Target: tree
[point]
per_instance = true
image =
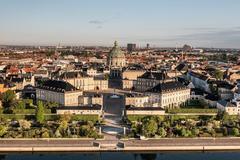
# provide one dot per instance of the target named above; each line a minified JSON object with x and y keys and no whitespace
{"x":64,"y":119}
{"x":225,"y":131}
{"x":50,"y":53}
{"x":20,"y":105}
{"x":235,"y":132}
{"x":3,"y":130}
{"x":8,"y":99}
{"x":40,"y":112}
{"x":161,"y":132}
{"x":63,"y":125}
{"x":183,"y":132}
{"x":57,"y":134}
{"x":45,"y":134}
{"x":195,"y":131}
{"x":223,"y":57}
{"x":149,"y":128}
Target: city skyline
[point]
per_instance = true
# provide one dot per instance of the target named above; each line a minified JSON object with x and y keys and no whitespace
{"x":160,"y":23}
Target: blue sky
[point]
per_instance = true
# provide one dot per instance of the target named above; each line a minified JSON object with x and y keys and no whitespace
{"x":164,"y":23}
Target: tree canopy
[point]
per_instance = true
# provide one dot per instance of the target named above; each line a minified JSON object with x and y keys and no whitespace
{"x":8,"y":99}
{"x":40,"y":112}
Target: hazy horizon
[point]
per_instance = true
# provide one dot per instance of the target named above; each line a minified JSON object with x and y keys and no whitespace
{"x":165,"y":23}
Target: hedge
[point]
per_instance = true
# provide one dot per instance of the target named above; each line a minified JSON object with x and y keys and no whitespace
{"x":12,"y":116}
{"x":93,"y":118}
{"x":195,"y":117}
{"x":192,"y":110}
{"x":29,"y":111}
{"x":173,"y":117}
{"x":139,"y":117}
{"x":24,"y":111}
{"x":55,"y":117}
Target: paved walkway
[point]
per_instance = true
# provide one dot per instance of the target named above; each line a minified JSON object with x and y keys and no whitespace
{"x":124,"y":145}
{"x":113,"y":108}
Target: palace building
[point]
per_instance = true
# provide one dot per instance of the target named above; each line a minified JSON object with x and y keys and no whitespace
{"x":169,"y":94}
{"x":60,"y":92}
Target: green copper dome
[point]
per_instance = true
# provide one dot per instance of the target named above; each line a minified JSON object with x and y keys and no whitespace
{"x":116,"y":52}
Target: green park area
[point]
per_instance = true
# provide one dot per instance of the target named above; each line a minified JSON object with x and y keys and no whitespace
{"x":174,"y":126}
{"x":24,"y":119}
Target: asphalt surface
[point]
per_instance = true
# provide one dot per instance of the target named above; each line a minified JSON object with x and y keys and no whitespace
{"x":113,"y":105}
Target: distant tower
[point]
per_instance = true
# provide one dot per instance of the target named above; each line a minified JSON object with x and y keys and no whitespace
{"x":131,"y":47}
{"x":148,"y":46}
{"x":176,"y":48}
{"x":58,"y":46}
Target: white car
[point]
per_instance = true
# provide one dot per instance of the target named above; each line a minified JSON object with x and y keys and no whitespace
{"x":114,"y":96}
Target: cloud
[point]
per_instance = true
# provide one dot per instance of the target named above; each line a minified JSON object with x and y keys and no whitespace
{"x":205,"y":37}
{"x":96,"y":22}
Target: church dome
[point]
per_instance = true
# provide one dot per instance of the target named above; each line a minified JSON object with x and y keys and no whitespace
{"x":116,"y":52}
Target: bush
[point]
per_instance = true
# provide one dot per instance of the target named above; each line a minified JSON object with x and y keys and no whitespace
{"x":235,"y":132}
{"x":45,"y":134}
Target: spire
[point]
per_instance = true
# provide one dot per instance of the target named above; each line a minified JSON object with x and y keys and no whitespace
{"x":115,"y":44}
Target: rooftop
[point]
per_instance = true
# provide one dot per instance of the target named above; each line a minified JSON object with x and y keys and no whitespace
{"x":168,"y":86}
{"x":56,"y":86}
{"x":154,"y":75}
